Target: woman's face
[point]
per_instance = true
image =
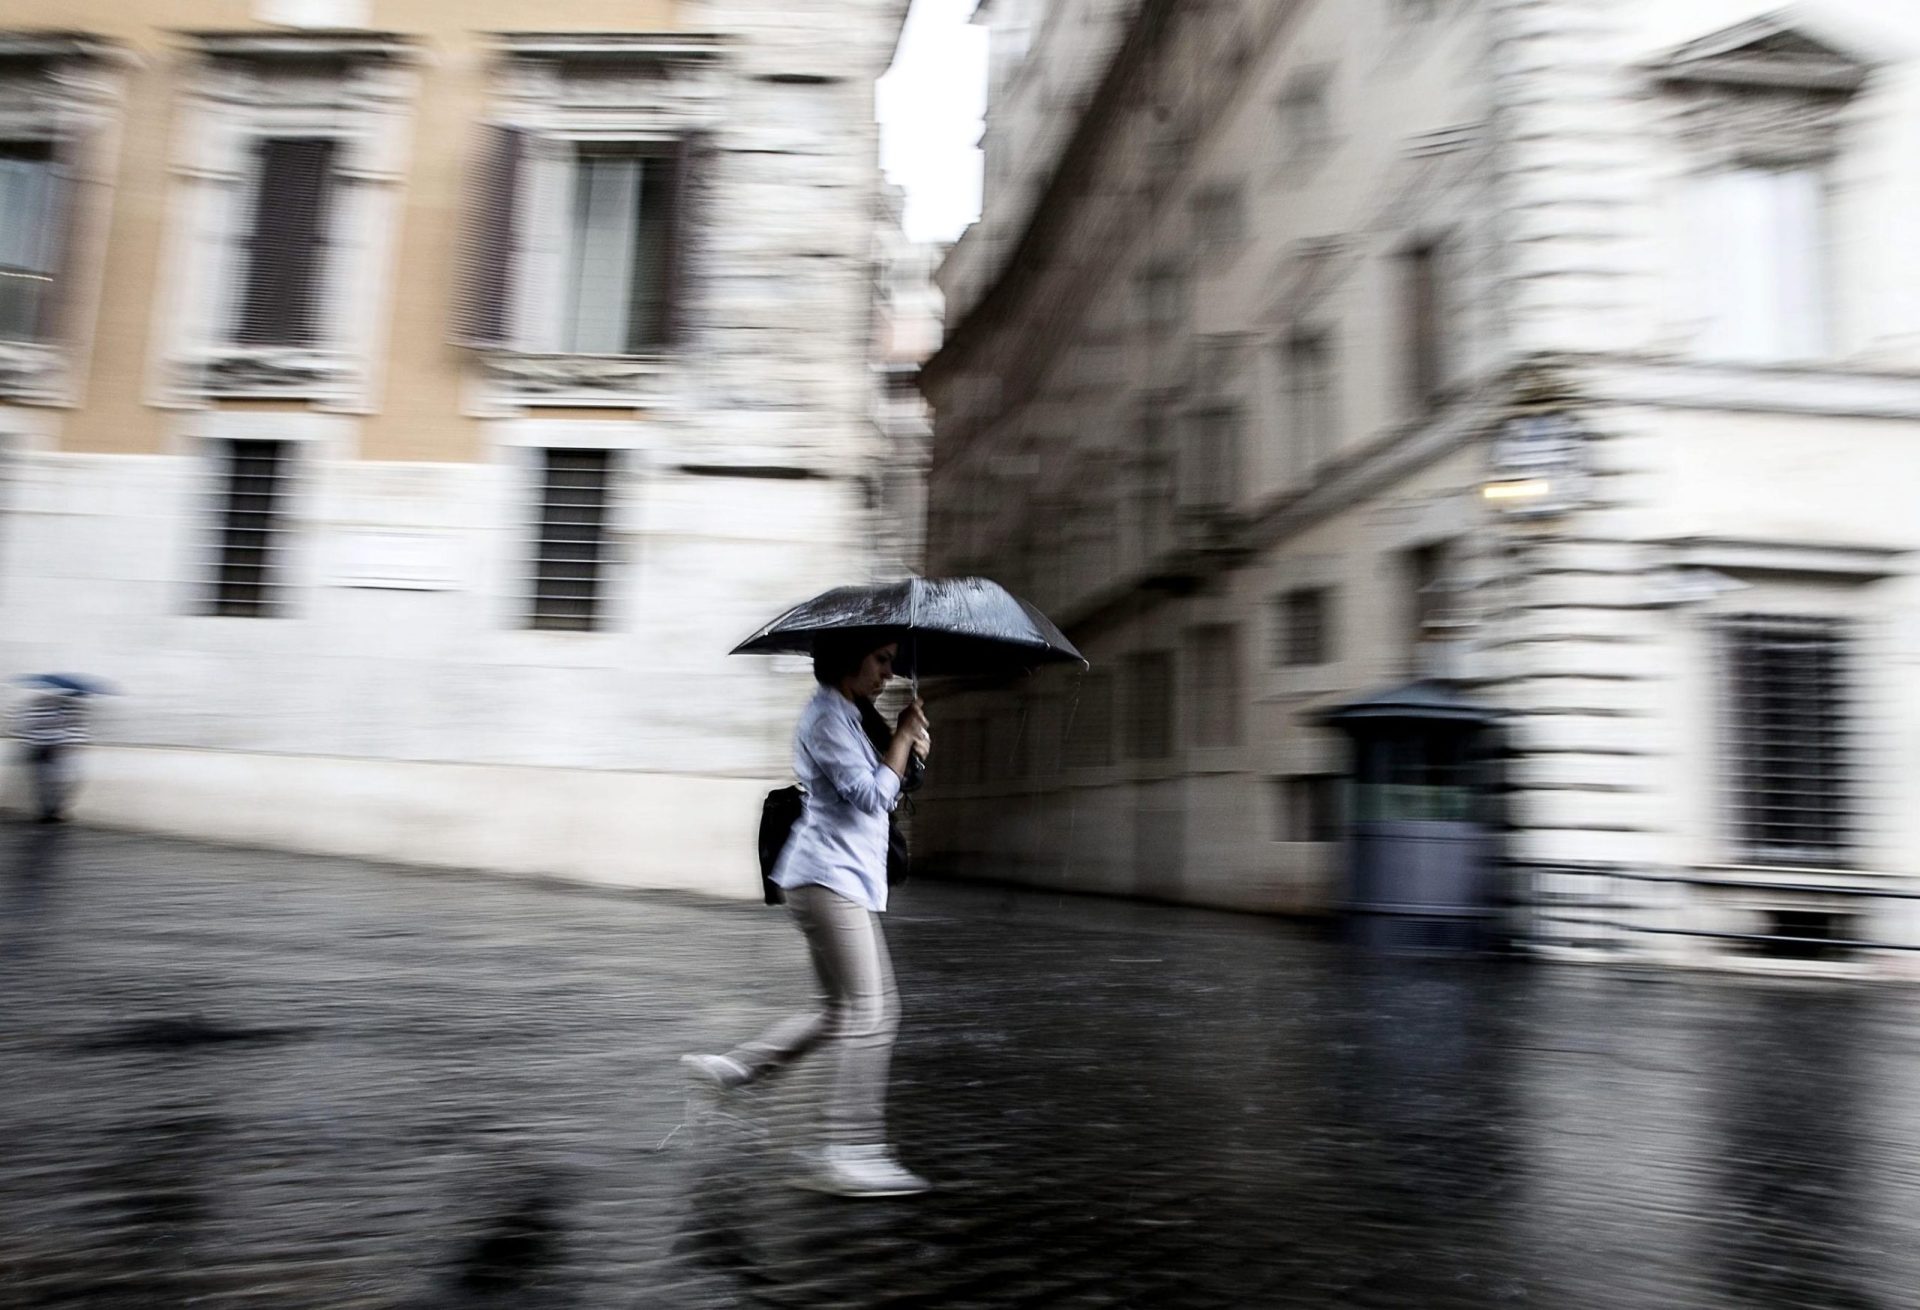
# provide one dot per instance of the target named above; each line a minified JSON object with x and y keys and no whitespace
{"x":874,"y":671}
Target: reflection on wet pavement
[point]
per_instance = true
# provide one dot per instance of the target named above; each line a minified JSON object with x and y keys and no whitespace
{"x":229,"y":1077}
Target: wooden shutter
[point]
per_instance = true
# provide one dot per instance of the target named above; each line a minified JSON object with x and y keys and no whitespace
{"x":484,"y":316}
{"x":282,"y":303}
{"x":686,"y":167}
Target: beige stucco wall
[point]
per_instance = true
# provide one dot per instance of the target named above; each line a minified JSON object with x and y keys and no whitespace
{"x":417,"y":412}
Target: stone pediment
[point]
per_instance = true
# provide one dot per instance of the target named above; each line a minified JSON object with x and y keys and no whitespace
{"x":1770,"y":51}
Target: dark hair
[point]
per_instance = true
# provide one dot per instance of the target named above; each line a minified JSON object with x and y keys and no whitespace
{"x":839,"y":655}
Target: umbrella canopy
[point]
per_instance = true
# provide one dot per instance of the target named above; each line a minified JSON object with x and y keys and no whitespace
{"x":66,"y":682}
{"x":943,"y":625}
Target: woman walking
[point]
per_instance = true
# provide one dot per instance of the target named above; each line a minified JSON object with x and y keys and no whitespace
{"x":834,"y":873}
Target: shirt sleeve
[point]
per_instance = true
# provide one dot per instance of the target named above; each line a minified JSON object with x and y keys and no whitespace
{"x":841,"y":752}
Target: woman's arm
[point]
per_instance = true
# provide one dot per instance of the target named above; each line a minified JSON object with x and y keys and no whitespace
{"x":841,"y":751}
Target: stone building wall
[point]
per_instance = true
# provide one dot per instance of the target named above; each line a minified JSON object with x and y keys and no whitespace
{"x":398,"y":704}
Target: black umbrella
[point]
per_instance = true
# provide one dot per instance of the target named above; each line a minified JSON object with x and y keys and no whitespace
{"x":943,"y":625}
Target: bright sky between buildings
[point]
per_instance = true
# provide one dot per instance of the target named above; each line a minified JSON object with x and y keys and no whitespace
{"x":930,"y":105}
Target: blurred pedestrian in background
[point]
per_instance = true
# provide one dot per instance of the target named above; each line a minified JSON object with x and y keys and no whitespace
{"x":834,"y":871}
{"x":51,"y":726}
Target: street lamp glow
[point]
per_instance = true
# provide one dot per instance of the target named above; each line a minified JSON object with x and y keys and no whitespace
{"x":1522,"y":489}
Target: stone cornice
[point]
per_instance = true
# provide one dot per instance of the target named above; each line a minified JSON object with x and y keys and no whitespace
{"x":641,"y":47}
{"x":266,"y":46}
{"x":1763,"y":53}
{"x":41,"y":47}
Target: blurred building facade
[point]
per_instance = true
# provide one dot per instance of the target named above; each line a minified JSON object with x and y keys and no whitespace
{"x":408,"y":405}
{"x":1565,"y":350}
{"x":908,"y":311}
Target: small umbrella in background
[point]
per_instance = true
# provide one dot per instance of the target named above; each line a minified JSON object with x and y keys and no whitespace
{"x":943,"y":625}
{"x":70,"y":682}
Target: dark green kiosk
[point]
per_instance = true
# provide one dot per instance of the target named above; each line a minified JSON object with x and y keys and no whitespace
{"x":1423,"y":866}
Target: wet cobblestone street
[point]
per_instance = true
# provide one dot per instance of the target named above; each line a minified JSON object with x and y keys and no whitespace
{"x":237,"y":1078}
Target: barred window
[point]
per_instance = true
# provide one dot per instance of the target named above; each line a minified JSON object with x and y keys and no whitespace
{"x":570,"y":544}
{"x":246,"y":580}
{"x":1789,"y":765}
{"x":1212,"y":467}
{"x":1307,"y":808}
{"x":1219,"y":216}
{"x":1303,"y":627}
{"x":1305,"y":111}
{"x":1312,"y":398}
{"x":1150,"y":705}
{"x":282,"y":300}
{"x":1213,"y":656}
{"x":1090,"y":725}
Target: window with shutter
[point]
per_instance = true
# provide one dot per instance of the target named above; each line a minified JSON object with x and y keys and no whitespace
{"x":570,"y":542}
{"x":282,"y":299}
{"x":251,"y":524}
{"x":30,"y":223}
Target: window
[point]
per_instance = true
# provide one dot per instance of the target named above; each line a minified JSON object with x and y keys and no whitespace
{"x":1788,"y":771}
{"x":1089,"y":742}
{"x":623,"y":203}
{"x":609,"y":281}
{"x":571,"y":543}
{"x":282,"y":300}
{"x":1424,"y":311}
{"x":1212,"y":473}
{"x":1162,"y":296}
{"x":252,"y":509}
{"x":1307,"y":808}
{"x":1306,"y":115}
{"x":1312,"y":398}
{"x":1150,"y":705}
{"x":1429,"y":592}
{"x":1220,"y":216}
{"x":29,"y":239}
{"x":1303,"y":632}
{"x":1213,"y":655}
{"x":1759,"y":252}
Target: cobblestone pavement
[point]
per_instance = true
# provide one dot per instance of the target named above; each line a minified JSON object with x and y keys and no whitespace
{"x":235,"y":1078}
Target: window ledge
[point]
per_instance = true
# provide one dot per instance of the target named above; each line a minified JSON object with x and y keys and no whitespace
{"x":33,"y":371}
{"x":282,"y":371}
{"x":1859,"y":562}
{"x":563,"y":378}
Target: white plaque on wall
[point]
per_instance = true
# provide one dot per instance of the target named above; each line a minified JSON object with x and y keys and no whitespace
{"x":400,"y":561}
{"x":314,"y":13}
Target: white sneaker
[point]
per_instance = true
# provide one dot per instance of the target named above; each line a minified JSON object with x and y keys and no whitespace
{"x":861,"y":1171}
{"x":716,"y":1073}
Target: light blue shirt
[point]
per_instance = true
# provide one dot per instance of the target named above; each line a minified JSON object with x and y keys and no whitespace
{"x":840,"y":842}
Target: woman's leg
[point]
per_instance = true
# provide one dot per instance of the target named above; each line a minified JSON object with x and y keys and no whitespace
{"x":863,"y":1013}
{"x":797,"y":1034}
